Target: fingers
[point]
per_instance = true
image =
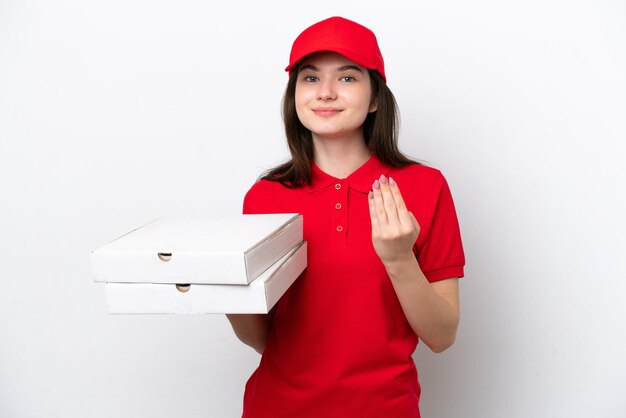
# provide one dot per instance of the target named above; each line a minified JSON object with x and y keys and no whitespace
{"x":397,"y":196}
{"x":373,"y":215}
{"x":387,"y":205}
{"x":416,"y":224}
{"x":389,"y":201}
{"x":384,"y":202}
{"x":405,"y":217}
{"x":379,"y":208}
{"x":394,"y":228}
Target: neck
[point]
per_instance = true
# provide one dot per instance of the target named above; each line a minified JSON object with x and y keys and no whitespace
{"x":340,"y":157}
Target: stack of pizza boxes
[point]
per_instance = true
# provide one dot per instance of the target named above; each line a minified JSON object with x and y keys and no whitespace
{"x":199,"y":265}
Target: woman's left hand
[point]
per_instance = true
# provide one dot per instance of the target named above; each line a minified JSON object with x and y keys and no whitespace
{"x":394,"y":228}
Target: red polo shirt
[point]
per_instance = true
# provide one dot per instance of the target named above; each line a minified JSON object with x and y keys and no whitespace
{"x":340,"y":345}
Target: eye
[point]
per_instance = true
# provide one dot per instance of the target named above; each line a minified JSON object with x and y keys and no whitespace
{"x":309,"y":78}
{"x":347,"y":79}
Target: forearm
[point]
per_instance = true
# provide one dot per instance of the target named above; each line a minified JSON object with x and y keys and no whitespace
{"x":432,"y":318}
{"x":251,"y":329}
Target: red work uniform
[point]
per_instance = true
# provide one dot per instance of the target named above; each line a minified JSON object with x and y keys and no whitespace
{"x":340,"y":345}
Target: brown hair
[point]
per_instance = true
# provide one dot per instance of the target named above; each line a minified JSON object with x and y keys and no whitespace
{"x":380,"y":131}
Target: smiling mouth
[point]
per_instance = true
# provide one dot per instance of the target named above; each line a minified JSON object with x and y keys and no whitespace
{"x":326,"y":112}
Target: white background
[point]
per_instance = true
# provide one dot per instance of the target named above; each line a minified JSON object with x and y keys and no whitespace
{"x":114,"y":113}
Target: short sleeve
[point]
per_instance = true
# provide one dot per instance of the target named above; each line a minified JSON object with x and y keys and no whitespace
{"x":441,"y":255}
{"x":266,"y":196}
{"x":252,"y":201}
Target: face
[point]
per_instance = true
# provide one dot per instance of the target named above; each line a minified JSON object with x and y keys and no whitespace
{"x":333,"y":96}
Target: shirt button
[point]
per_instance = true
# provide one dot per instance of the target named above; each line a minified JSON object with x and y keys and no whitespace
{"x":338,"y":206}
{"x":337,"y":186}
{"x":339,"y":228}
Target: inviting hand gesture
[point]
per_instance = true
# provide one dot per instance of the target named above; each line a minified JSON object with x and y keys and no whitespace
{"x":394,"y":228}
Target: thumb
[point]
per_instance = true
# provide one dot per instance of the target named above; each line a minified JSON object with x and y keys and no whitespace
{"x":415,"y":223}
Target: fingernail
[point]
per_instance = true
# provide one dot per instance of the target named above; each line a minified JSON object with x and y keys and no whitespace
{"x":383,"y":179}
{"x":370,"y":194}
{"x":391,"y":182}
{"x":376,"y":184}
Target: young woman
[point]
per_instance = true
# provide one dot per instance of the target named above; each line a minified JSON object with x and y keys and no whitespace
{"x":384,"y":245}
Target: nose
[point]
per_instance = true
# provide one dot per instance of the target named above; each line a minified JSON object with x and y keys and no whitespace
{"x":326,"y":90}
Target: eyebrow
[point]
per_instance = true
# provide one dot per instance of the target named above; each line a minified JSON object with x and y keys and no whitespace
{"x":340,"y":69}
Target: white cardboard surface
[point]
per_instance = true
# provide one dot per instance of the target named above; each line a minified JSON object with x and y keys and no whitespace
{"x":257,"y":297}
{"x":229,"y":250}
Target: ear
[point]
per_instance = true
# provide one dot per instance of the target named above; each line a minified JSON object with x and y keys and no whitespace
{"x":373,"y":106}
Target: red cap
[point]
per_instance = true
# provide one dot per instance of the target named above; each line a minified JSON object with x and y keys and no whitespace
{"x":343,"y":36}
